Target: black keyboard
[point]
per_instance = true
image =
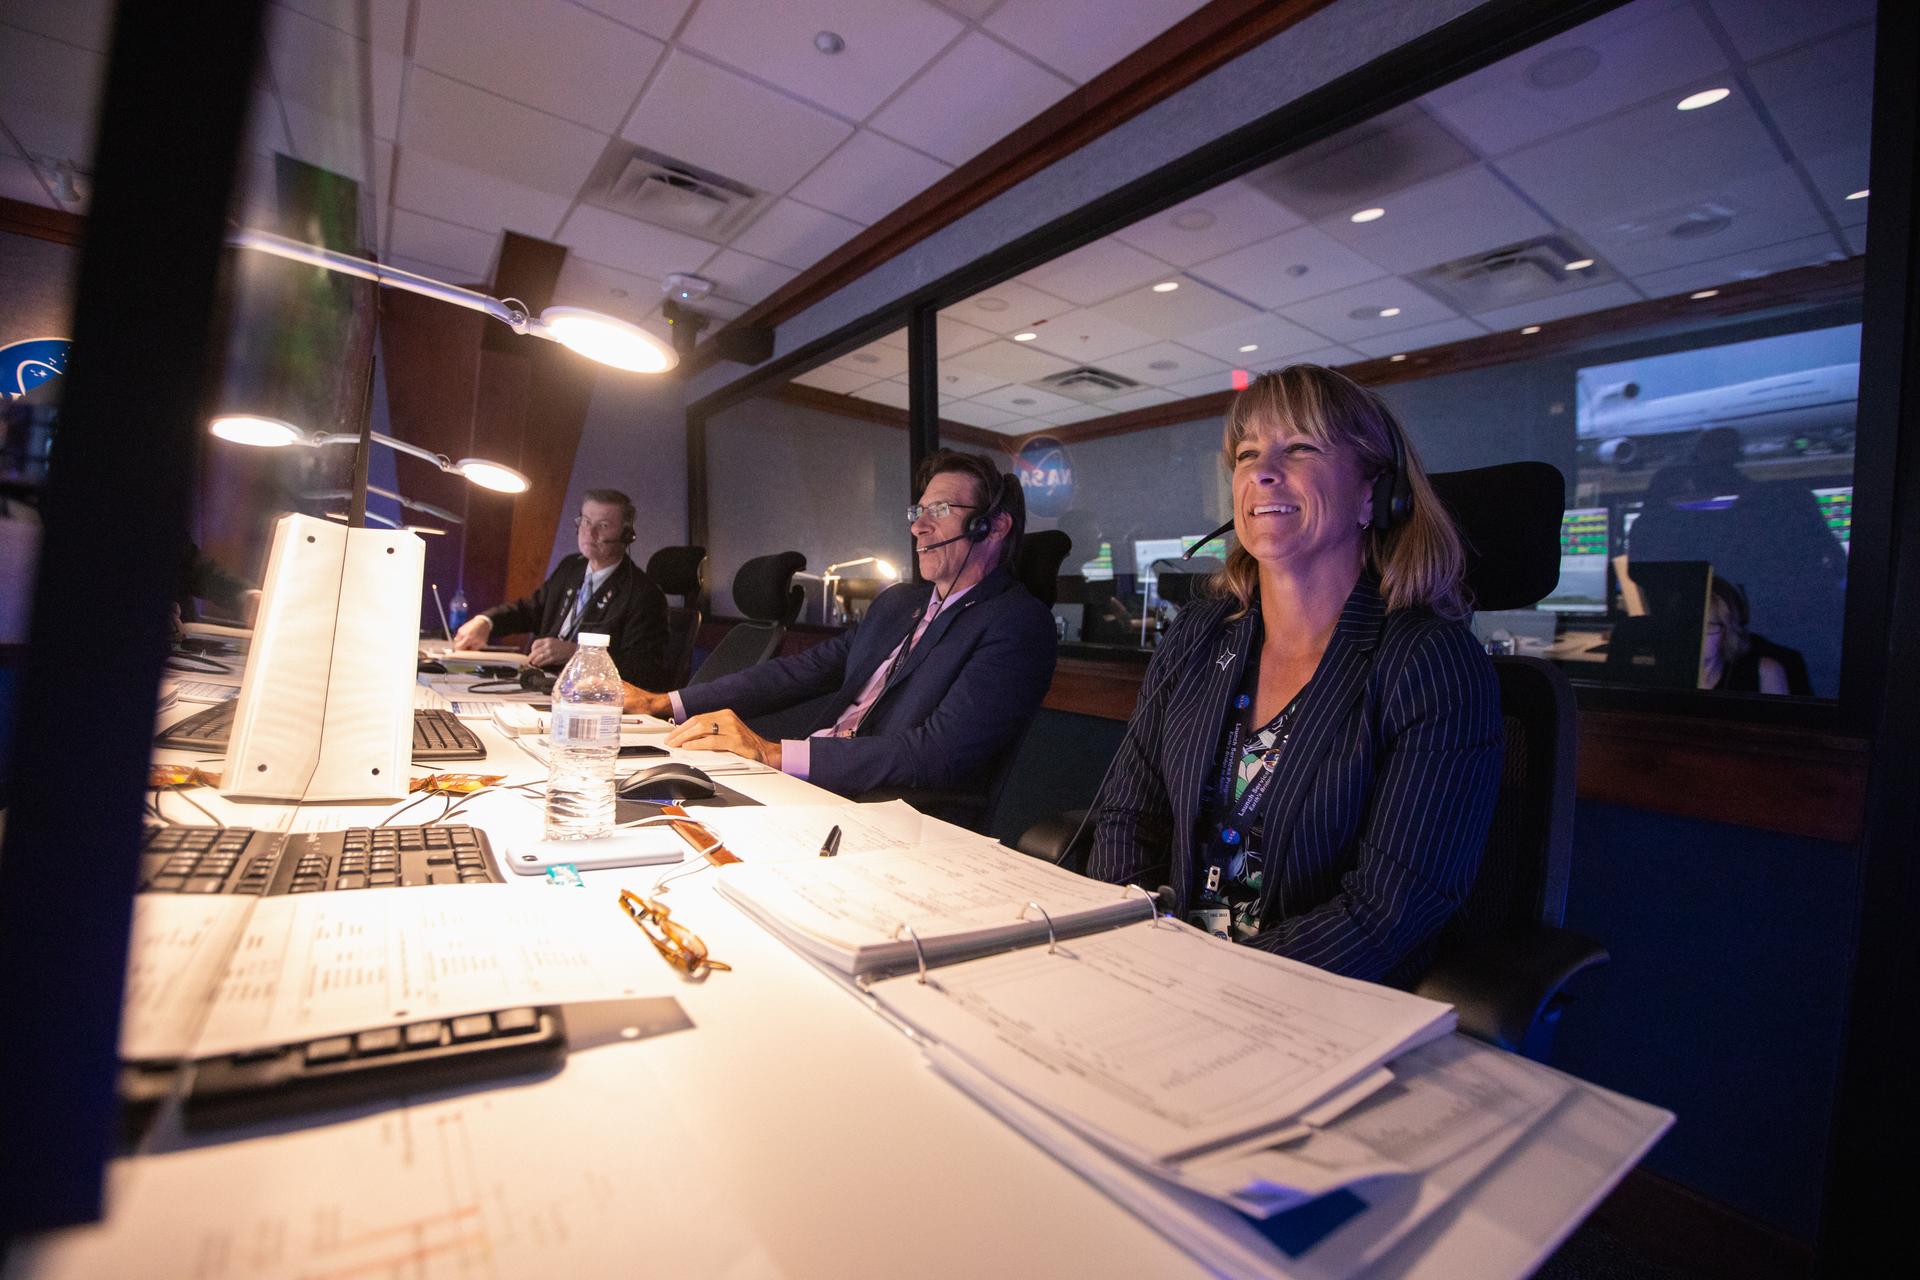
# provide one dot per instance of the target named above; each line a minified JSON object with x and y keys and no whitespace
{"x":437,"y":735}
{"x":245,"y":860}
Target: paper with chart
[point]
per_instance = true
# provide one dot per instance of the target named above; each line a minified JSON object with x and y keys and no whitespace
{"x":793,"y":832}
{"x":860,"y":914}
{"x":534,"y":1181}
{"x":178,"y":950}
{"x":322,"y":964}
{"x":1161,"y":1042}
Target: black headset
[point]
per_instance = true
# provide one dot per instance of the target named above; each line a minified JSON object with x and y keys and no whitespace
{"x":980,"y":526}
{"x":1392,"y":490}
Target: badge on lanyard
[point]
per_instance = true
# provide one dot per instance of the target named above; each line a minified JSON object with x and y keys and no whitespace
{"x":1217,"y":921}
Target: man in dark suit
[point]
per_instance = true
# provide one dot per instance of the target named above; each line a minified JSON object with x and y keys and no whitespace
{"x":931,"y":687}
{"x":596,"y":590}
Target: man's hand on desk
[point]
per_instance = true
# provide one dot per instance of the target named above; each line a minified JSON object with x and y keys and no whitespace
{"x":638,"y":702}
{"x":473,"y":633}
{"x":724,"y":731}
{"x":551,"y":651}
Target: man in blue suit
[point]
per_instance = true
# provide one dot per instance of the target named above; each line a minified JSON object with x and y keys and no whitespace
{"x":939,"y":679}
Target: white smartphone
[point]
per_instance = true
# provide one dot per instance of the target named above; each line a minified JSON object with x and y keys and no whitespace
{"x":639,"y":847}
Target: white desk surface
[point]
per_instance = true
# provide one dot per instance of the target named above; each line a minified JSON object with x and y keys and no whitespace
{"x":806,"y":1121}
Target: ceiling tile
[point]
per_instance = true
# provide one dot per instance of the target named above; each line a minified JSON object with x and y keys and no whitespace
{"x":1636,"y":52}
{"x":387,"y":18}
{"x":482,"y":131}
{"x":1331,"y":357}
{"x":876,"y":358}
{"x":1750,"y":264}
{"x":951,"y":337}
{"x":267,"y":125}
{"x":1426,"y":335}
{"x":655,"y":17}
{"x":794,"y":234}
{"x":1206,"y":385}
{"x":1274,"y":338}
{"x":19,"y":182}
{"x":1193,"y":307}
{"x":1143,"y":399}
{"x":869,"y":177}
{"x":886,"y":42}
{"x":1095,"y":272}
{"x":972,"y":10}
{"x":1350,"y":170}
{"x":1299,"y":264}
{"x":1012,"y":362}
{"x":548,"y":54}
{"x":1084,"y":336}
{"x":831,"y":377}
{"x":1837,"y":175}
{"x":1761,"y":27}
{"x":432,"y":270}
{"x":456,"y":193}
{"x":1599,"y":298}
{"x":961,"y":382}
{"x":1334,"y":314}
{"x":978,"y":415}
{"x":599,"y":288}
{"x":945,"y":111}
{"x":84,"y":23}
{"x":887,"y":393}
{"x":317,"y":66}
{"x":1162,"y":364}
{"x":1466,"y":212}
{"x":328,"y":142}
{"x":1083,"y":40}
{"x":1007,"y":307}
{"x":1219,"y":221}
{"x":743,"y":277}
{"x":1076,"y":413}
{"x":632,"y":245}
{"x":1022,"y":399}
{"x":48,"y":95}
{"x":382,"y":193}
{"x":714,"y":118}
{"x":1821,"y":98}
{"x":418,"y":236}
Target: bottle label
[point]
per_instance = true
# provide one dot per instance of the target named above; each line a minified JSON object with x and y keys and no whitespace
{"x":585,"y":726}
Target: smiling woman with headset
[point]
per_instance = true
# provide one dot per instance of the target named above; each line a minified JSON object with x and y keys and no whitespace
{"x":1313,"y":761}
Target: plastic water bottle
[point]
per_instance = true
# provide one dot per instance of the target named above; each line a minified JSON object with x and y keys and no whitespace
{"x":457,"y":609}
{"x":585,"y":740}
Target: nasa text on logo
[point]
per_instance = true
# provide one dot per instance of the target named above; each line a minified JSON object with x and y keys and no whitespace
{"x":1046,"y":474}
{"x":25,"y":365}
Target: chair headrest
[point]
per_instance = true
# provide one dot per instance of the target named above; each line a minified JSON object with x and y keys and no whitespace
{"x":1509,"y":518}
{"x":1037,"y":564}
{"x":763,"y":589}
{"x":680,"y":571}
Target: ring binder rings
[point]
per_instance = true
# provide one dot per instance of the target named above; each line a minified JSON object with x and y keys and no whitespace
{"x":919,"y":952}
{"x":1153,"y":904}
{"x":1052,"y":941}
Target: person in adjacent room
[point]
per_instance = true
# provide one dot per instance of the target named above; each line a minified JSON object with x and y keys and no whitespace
{"x":1733,"y":658}
{"x":599,"y":589}
{"x":938,"y":680}
{"x":1313,"y":762}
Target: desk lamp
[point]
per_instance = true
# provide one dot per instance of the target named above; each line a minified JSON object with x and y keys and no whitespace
{"x":832,"y":575}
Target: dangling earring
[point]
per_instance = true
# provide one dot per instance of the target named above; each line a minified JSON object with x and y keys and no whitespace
{"x":1367,"y":523}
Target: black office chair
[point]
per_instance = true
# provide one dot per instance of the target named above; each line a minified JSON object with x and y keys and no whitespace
{"x":764,"y":591}
{"x":1037,"y":567}
{"x":680,"y":571}
{"x":1503,"y":961}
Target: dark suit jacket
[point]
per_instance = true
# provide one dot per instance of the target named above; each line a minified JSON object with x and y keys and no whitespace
{"x":629,"y":607}
{"x":963,"y":694}
{"x":1375,"y":822}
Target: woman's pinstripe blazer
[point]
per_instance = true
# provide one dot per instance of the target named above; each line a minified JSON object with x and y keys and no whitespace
{"x":1375,"y":822}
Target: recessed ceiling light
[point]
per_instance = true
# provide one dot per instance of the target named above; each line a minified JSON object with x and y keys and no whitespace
{"x":1388,"y":313}
{"x":829,"y":42}
{"x":1704,"y":98}
{"x":1861,"y":194}
{"x":1193,"y":220}
{"x":1025,"y":337}
{"x":1704,"y":293}
{"x":1166,"y":286}
{"x":1401,"y":356}
{"x":1368,"y":215}
{"x":1532,"y":328}
{"x":1579,"y":264}
{"x":1251,"y":346}
{"x":990,"y":304}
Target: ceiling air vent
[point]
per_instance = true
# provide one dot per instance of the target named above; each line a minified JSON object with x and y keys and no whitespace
{"x":638,"y":183}
{"x":1524,"y":272}
{"x":1087,"y":383}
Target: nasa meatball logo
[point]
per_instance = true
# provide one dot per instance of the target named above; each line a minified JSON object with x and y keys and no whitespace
{"x":1046,"y":476}
{"x":25,"y":365}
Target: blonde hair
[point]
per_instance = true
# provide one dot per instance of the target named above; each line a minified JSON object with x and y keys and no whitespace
{"x":1420,"y":561}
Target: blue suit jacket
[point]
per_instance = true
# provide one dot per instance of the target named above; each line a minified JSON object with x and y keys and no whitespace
{"x":963,"y":694}
{"x":1376,"y":819}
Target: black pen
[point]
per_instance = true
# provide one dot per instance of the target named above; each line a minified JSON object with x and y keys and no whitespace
{"x":831,"y":845}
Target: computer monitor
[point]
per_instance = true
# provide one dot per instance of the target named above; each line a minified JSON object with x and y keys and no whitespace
{"x":1583,"y":563}
{"x":1155,"y":556}
{"x":1836,"y":508}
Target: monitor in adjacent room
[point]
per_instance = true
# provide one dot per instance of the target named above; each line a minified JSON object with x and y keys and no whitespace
{"x":1836,"y":508}
{"x":1583,"y":563}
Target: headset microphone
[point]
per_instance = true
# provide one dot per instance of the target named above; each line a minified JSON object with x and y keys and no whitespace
{"x":1225,"y":528}
{"x":958,"y":537}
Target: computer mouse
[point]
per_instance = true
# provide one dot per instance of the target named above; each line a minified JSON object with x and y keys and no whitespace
{"x":428,"y":667}
{"x":667,"y":784}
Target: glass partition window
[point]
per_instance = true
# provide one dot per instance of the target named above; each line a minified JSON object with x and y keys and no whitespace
{"x":1632,"y":251}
